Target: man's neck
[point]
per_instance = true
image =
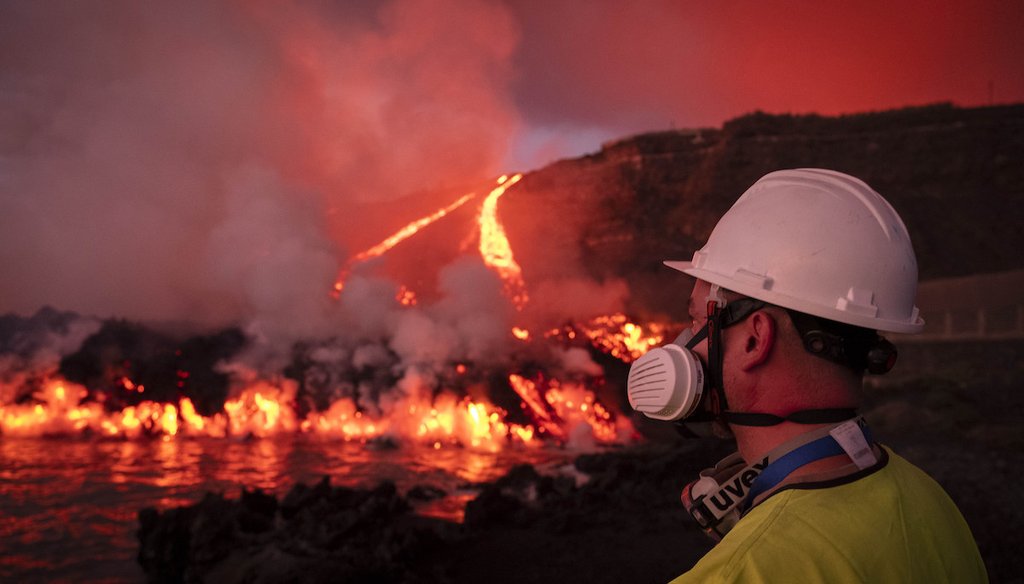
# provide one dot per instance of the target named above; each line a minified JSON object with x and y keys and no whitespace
{"x":791,"y":381}
{"x":755,"y":442}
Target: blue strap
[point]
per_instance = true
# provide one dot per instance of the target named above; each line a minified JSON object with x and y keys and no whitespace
{"x":778,"y":470}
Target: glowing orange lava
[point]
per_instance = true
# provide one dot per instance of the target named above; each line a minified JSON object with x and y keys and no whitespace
{"x":495,"y":248}
{"x":616,"y":335}
{"x":562,"y":410}
{"x":265,"y":409}
{"x":398,"y":237}
{"x":406,"y":297}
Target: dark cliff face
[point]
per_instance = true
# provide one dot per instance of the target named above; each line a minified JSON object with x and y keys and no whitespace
{"x":955,"y":175}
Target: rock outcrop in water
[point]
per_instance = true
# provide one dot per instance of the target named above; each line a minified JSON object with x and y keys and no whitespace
{"x":625,"y":524}
{"x":525,"y":525}
{"x":313,"y":534}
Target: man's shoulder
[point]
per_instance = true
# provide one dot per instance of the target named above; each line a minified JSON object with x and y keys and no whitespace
{"x":837,"y":532}
{"x":756,"y":547}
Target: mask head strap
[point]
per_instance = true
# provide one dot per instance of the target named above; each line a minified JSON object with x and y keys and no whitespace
{"x":714,"y":331}
{"x":722,"y":315}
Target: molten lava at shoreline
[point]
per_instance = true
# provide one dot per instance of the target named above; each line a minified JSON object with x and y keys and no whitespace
{"x":553,"y":410}
{"x":404,"y":404}
{"x":267,"y":409}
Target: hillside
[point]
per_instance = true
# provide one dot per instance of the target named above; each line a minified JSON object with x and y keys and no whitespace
{"x":955,"y":175}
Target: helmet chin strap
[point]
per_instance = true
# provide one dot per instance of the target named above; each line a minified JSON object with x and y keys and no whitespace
{"x":722,"y":315}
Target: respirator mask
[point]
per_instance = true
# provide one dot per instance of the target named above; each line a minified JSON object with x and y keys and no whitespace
{"x":668,"y":383}
{"x":671,"y":383}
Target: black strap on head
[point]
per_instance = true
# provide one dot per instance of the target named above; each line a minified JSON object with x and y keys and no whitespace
{"x":715,"y":355}
{"x":856,"y":348}
{"x":719,"y":318}
{"x":737,"y":310}
{"x":822,"y":416}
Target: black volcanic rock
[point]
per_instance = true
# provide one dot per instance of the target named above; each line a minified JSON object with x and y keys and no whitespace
{"x":168,"y":367}
{"x":315,"y":534}
{"x":955,"y":175}
{"x":322,"y":533}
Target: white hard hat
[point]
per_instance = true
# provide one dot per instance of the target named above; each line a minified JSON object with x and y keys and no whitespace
{"x":819,"y":242}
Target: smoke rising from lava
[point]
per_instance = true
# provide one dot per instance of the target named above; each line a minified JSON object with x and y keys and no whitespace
{"x":210,"y":162}
{"x":127,"y":128}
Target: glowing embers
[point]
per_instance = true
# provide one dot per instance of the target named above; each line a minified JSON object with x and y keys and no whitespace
{"x":130,"y":385}
{"x":619,"y":337}
{"x":406,"y":297}
{"x":568,"y":411}
{"x":59,"y":410}
{"x":495,"y":248}
{"x":476,"y":424}
{"x":261,"y":410}
{"x":615,"y":335}
{"x":445,"y":420}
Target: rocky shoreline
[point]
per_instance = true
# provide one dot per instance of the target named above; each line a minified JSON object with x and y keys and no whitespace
{"x":623,"y":524}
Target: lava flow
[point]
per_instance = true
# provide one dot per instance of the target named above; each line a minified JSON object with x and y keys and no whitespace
{"x":495,"y":248}
{"x":553,"y":409}
{"x":437,"y":413}
{"x":399,"y":236}
{"x":266,"y":409}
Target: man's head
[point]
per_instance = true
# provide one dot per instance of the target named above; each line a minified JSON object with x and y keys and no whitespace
{"x":769,"y":355}
{"x":793,"y":283}
{"x":819,"y":242}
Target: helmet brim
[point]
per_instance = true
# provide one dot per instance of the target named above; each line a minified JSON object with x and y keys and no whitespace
{"x":754,"y":290}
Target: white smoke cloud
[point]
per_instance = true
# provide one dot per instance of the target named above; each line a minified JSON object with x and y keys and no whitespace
{"x":31,"y":349}
{"x":206,"y":161}
{"x":576,"y":360}
{"x":269,"y":250}
{"x":211,"y":164}
{"x":470,"y":322}
{"x":370,"y":356}
{"x":422,"y":341}
{"x":578,"y":298}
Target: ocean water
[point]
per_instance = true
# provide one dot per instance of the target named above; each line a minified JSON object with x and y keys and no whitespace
{"x":68,"y":506}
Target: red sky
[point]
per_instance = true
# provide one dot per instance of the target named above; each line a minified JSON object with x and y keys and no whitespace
{"x":216,"y":159}
{"x":613,"y":68}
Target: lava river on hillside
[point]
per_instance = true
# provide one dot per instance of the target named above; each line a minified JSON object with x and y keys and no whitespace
{"x":521,"y":403}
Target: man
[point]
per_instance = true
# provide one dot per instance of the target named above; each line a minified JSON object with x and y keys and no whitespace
{"x":792,"y":288}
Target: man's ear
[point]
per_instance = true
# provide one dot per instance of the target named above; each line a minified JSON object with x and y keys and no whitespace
{"x":761,"y":332}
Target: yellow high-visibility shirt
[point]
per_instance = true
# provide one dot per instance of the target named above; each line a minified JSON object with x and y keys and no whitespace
{"x":895,"y":525}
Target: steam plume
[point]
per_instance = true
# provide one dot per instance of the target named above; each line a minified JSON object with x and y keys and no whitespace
{"x":208,"y":161}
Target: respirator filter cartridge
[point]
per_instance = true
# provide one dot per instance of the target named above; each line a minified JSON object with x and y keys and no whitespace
{"x":666,"y":383}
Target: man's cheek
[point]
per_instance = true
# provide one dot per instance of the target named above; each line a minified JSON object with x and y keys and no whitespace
{"x":701,"y":349}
